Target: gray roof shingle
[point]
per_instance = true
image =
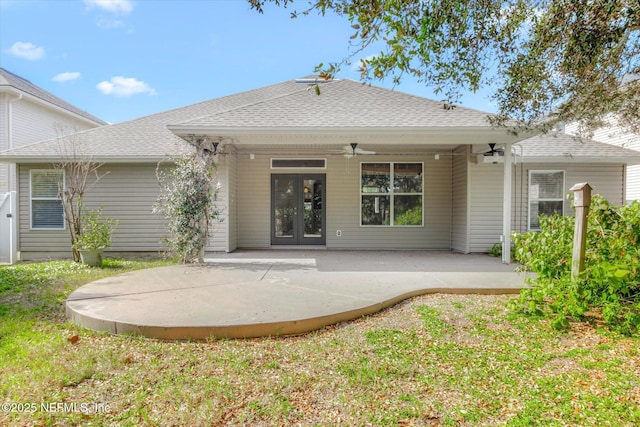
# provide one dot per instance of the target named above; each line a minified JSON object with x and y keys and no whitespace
{"x":568,"y":146}
{"x":343,"y":103}
{"x":8,"y":79}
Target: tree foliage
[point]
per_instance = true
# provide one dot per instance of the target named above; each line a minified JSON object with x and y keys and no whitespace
{"x":547,"y":61}
{"x":187,"y":200}
{"x":610,"y":283}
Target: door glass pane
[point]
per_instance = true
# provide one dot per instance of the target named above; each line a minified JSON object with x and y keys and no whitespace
{"x":312,"y":205}
{"x":284,"y":214}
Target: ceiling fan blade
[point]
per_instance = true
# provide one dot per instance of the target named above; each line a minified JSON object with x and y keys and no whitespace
{"x":365,"y":152}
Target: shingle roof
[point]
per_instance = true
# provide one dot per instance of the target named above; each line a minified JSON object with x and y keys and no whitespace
{"x":8,"y":79}
{"x":568,"y":146}
{"x":146,"y":138}
{"x":342,"y":103}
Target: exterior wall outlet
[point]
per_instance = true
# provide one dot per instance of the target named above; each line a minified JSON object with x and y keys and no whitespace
{"x":339,"y":233}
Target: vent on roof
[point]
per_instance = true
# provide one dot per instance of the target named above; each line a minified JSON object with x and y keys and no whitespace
{"x":313,"y":80}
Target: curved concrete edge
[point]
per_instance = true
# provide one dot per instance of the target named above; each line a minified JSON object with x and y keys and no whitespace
{"x":258,"y":330}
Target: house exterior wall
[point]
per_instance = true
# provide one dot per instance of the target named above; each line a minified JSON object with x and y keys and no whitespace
{"x":224,"y":237}
{"x":23,"y":122}
{"x":486,"y":182}
{"x":460,"y":200}
{"x":615,"y":135}
{"x":5,"y":169}
{"x":485,"y":205}
{"x":343,"y":204}
{"x":127,"y":193}
{"x":459,"y":195}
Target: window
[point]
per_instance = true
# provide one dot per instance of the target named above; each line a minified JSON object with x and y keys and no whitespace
{"x":391,"y":194}
{"x":546,"y":195}
{"x":299,"y":163}
{"x":46,"y":206}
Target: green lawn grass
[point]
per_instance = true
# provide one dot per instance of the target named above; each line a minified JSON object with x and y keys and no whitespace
{"x":434,"y":360}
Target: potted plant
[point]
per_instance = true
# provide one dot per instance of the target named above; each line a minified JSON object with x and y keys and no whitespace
{"x":94,"y":237}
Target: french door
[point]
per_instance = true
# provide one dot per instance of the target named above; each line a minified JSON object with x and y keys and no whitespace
{"x":298,"y":209}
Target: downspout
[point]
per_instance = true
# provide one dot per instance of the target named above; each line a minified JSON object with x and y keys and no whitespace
{"x":506,"y":206}
{"x":10,"y":133}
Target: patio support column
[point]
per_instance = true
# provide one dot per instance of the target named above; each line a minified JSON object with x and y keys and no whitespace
{"x":506,"y":206}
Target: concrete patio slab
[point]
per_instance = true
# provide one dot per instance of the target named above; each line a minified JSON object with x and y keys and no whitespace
{"x":249,"y":294}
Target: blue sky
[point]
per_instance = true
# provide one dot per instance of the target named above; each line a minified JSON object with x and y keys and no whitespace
{"x":124,"y":59}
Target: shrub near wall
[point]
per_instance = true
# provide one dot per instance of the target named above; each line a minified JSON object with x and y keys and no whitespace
{"x":610,"y":284}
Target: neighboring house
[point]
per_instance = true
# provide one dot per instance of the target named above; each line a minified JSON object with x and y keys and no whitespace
{"x":614,"y":134}
{"x":358,"y":167}
{"x":29,"y":114}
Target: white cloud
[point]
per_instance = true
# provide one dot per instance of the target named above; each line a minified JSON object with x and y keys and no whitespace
{"x":114,"y":6}
{"x":65,"y":77}
{"x":355,"y":66}
{"x":125,"y":86}
{"x":27,"y":51}
{"x":109,"y":24}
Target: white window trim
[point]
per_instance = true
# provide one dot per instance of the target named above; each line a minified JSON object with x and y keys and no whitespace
{"x":31,"y":199}
{"x":529,"y":199}
{"x":390,"y":194}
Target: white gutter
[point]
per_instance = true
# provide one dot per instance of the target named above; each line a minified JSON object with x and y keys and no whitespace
{"x":628,"y":160}
{"x":50,"y":159}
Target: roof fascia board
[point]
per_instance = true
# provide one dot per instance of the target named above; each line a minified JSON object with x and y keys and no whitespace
{"x":47,"y":104}
{"x":49,"y":159}
{"x":502,"y":133}
{"x":628,"y":160}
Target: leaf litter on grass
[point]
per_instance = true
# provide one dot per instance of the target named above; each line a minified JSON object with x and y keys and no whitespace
{"x":431,"y":360}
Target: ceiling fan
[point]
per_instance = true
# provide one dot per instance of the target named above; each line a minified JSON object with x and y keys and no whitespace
{"x":493,"y":152}
{"x":352,"y":150}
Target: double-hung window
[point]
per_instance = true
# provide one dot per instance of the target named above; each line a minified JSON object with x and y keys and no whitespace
{"x":546,"y":195}
{"x":391,"y":194}
{"x":46,"y":205}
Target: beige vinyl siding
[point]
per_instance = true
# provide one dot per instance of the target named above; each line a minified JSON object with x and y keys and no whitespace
{"x":615,"y":135}
{"x":55,"y":242}
{"x":25,"y":122}
{"x":486,"y":195}
{"x":4,"y":145}
{"x":223,"y":228}
{"x":343,"y":204}
{"x":460,"y":200}
{"x":254,"y":202}
{"x":232,"y":204}
{"x":127,"y":193}
{"x":485,"y":205}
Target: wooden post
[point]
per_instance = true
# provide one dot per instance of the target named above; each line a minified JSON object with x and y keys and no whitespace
{"x":582,"y":201}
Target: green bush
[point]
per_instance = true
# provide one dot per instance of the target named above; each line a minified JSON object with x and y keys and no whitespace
{"x":610,"y":282}
{"x":96,"y":233}
{"x":187,"y":201}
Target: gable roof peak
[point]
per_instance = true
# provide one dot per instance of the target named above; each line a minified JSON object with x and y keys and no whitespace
{"x":22,"y":85}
